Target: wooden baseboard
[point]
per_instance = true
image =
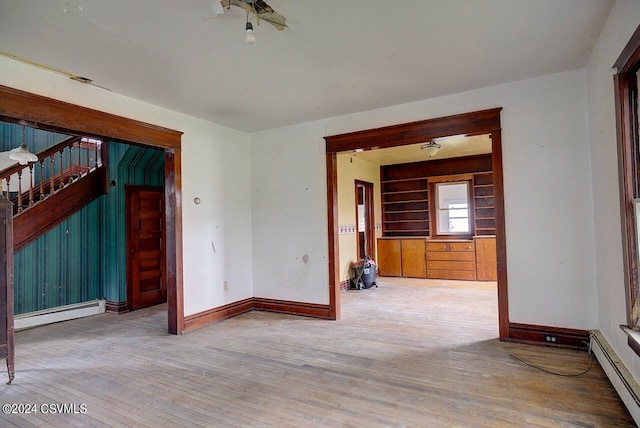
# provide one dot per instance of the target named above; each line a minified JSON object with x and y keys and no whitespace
{"x":314,"y":310}
{"x":116,"y":307}
{"x":195,"y":321}
{"x":538,"y":334}
{"x":345,"y":285}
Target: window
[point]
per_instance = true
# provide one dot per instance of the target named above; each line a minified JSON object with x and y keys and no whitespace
{"x":452,"y":204}
{"x":626,"y":87}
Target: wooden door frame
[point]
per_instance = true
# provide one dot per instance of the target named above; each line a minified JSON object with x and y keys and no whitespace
{"x":474,"y":123}
{"x":367,"y":201}
{"x":59,"y":116}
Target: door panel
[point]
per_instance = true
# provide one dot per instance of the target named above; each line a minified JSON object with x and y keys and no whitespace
{"x":145,"y":246}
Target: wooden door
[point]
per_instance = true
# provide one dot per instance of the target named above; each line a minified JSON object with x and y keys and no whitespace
{"x":146,"y":285}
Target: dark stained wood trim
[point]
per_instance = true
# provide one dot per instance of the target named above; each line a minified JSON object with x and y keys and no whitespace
{"x":314,"y":310}
{"x":474,"y":123}
{"x":47,"y":113}
{"x":501,"y":236}
{"x":116,"y":307}
{"x":66,"y":118}
{"x":334,"y":239}
{"x":201,"y":319}
{"x":534,"y":335}
{"x":626,"y":89}
{"x":368,"y":202}
{"x":173,"y":231}
{"x":630,"y":55}
{"x":45,"y":215}
{"x":479,"y":122}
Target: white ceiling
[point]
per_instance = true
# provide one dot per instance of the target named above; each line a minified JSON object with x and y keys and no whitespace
{"x":336,"y":57}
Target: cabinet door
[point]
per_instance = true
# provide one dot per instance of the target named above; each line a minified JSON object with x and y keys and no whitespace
{"x":486,"y":263}
{"x":389,"y":257}
{"x":413,"y":258}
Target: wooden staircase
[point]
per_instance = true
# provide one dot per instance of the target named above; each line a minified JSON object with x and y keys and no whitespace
{"x":66,"y":177}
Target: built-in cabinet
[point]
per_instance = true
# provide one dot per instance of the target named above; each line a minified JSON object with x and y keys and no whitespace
{"x":402,"y":257}
{"x":451,"y":260}
{"x":486,"y":261}
{"x":462,"y":259}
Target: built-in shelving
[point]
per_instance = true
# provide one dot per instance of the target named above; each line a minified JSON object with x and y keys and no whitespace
{"x":405,"y":195}
{"x":483,"y":203}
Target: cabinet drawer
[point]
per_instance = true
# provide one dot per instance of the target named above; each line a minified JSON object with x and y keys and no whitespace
{"x":461,"y":246}
{"x":450,"y":265}
{"x":452,"y":274}
{"x":464,"y":256}
{"x":437,"y":246}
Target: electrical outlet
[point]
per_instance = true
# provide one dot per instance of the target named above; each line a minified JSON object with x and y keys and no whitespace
{"x":550,"y":338}
{"x":226,"y":286}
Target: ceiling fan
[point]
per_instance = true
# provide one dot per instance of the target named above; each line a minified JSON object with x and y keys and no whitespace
{"x":258,"y":8}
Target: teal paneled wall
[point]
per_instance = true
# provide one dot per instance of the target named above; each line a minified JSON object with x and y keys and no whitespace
{"x":134,"y":165}
{"x":36,"y":139}
{"x":62,"y":266}
{"x":83,"y":258}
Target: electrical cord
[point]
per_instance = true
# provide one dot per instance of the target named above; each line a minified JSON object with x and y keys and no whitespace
{"x":582,"y":373}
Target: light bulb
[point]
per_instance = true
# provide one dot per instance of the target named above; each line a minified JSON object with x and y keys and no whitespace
{"x":249,"y":36}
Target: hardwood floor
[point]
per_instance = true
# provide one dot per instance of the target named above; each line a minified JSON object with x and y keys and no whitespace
{"x":404,"y":354}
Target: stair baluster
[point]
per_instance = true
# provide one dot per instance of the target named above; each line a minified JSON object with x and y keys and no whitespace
{"x":8,"y":179}
{"x":42,"y":195}
{"x":52,"y":184}
{"x":30,"y":184}
{"x":20,"y":208}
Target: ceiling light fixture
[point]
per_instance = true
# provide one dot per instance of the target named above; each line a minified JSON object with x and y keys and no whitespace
{"x":431,"y":147}
{"x":249,"y":37}
{"x":22,"y":154}
{"x":257,"y":9}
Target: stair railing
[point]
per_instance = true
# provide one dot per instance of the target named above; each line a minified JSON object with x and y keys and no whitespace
{"x":57,"y":167}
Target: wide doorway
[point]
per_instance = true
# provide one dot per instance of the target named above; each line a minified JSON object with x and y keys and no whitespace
{"x":447,"y":231}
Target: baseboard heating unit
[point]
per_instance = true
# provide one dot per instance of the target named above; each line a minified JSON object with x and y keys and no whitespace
{"x":60,"y":313}
{"x":621,"y":379}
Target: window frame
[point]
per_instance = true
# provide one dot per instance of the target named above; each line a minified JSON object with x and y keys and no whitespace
{"x":433,"y":183}
{"x":626,"y":70}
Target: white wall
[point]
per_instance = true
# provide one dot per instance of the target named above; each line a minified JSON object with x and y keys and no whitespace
{"x":289,"y":214}
{"x":548,"y":197}
{"x":622,"y":22}
{"x":214,"y":168}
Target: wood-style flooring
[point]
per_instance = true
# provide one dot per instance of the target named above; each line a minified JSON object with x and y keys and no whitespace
{"x":407,"y":354}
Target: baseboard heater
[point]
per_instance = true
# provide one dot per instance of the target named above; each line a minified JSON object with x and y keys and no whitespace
{"x":59,"y":313}
{"x":621,"y":379}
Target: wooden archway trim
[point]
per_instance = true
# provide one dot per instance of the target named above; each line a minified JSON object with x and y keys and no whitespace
{"x":59,"y":116}
{"x":479,"y":122}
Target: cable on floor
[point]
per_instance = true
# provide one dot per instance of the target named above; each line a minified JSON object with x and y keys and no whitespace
{"x":542,"y":369}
